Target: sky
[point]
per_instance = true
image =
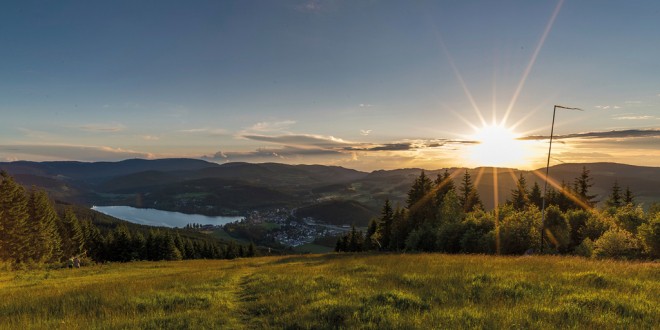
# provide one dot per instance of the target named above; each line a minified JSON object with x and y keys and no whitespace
{"x":361,"y":84}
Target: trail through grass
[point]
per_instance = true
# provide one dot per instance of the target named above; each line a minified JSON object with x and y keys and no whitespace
{"x":338,"y":291}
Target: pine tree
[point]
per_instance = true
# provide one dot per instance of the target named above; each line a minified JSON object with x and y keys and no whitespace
{"x":469,"y":196}
{"x":443,"y":185}
{"x":45,"y":240}
{"x":535,"y":196}
{"x":71,"y":233}
{"x":400,"y":230}
{"x":372,"y":239}
{"x":420,"y":201}
{"x":520,"y":195}
{"x":615,"y":199}
{"x":14,"y":243}
{"x":582,"y":185}
{"x":384,"y":230}
{"x":251,"y":250}
{"x":628,"y":197}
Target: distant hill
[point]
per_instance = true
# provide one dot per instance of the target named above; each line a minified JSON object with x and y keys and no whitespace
{"x":329,"y":193}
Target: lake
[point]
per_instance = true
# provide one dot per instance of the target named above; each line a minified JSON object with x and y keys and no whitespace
{"x":153,"y":217}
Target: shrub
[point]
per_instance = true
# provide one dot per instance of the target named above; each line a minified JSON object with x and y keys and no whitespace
{"x":649,"y":234}
{"x":616,"y":243}
{"x":585,"y":249}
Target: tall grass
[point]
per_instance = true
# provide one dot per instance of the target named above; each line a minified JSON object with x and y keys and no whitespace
{"x":338,"y":291}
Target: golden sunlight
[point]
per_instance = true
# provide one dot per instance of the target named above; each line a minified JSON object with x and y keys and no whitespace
{"x":497,"y":146}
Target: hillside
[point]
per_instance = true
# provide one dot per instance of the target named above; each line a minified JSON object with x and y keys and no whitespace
{"x":410,"y":291}
{"x":196,"y":186}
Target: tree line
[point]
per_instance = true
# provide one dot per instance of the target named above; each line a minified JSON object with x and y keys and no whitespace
{"x":34,"y":231}
{"x":439,"y":217}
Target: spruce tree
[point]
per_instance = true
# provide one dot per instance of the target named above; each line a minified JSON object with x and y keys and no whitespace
{"x":420,"y":201}
{"x":469,"y":196}
{"x":615,"y":199}
{"x":45,"y":240}
{"x":582,"y":185}
{"x":384,"y":231}
{"x":443,"y":185}
{"x":520,"y":195}
{"x":14,"y":243}
{"x":535,"y":196}
{"x":628,"y":197}
{"x":71,"y":233}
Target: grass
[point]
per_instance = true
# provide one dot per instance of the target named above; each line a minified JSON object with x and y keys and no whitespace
{"x":338,"y":291}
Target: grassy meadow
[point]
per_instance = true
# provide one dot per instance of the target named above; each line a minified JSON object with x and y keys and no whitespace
{"x":401,"y":291}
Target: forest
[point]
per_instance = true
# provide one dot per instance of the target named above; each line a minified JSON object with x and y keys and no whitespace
{"x":35,"y":231}
{"x":439,"y":217}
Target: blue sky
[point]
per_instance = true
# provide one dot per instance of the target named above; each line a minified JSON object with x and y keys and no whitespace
{"x":361,"y":84}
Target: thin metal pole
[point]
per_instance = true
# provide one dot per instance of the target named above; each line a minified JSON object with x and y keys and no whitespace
{"x":545,"y":184}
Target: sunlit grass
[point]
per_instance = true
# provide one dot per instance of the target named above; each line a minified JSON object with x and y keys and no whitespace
{"x":350,"y":291}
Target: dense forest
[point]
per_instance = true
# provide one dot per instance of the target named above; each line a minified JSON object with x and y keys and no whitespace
{"x":34,"y":231}
{"x":441,"y":217}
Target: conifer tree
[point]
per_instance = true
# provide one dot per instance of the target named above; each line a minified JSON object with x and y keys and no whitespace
{"x":420,"y":201}
{"x":535,"y":196}
{"x":251,"y":250}
{"x":520,"y":195}
{"x":615,"y":199}
{"x":399,"y":231}
{"x":14,"y":243}
{"x":71,"y":233}
{"x":469,"y":196}
{"x":582,"y":185}
{"x":372,"y":239}
{"x":628,"y":197}
{"x":44,"y":239}
{"x":443,"y":185}
{"x":384,"y":231}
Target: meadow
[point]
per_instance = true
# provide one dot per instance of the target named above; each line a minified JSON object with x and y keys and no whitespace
{"x":383,"y":291}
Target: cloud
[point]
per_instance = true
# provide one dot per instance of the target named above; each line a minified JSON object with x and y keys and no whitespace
{"x":150,"y":138}
{"x":300,"y":140}
{"x":205,"y":131}
{"x":631,"y":133}
{"x":69,"y":152}
{"x":271,"y":126}
{"x":270,"y":154}
{"x":384,"y":147}
{"x":366,"y":105}
{"x":311,"y":6}
{"x":365,"y":132}
{"x":605,"y":107}
{"x":103,"y":128}
{"x":634,"y":117}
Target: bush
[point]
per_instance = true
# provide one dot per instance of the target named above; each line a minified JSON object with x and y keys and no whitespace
{"x":585,"y":249}
{"x":519,"y":231}
{"x":629,"y":217}
{"x":649,"y":234}
{"x":617,"y":243}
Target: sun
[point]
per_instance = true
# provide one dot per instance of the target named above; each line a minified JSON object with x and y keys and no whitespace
{"x":497,"y":145}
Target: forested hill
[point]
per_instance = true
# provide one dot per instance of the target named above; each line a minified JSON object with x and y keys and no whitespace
{"x":197,"y":186}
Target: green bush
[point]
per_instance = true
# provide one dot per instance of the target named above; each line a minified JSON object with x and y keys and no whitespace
{"x":617,"y":243}
{"x":649,"y":234}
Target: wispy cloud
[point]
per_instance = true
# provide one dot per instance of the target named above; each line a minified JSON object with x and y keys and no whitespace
{"x":631,"y":117}
{"x":205,"y":131}
{"x":103,"y":128}
{"x":301,"y":140}
{"x":150,"y":138}
{"x":272,"y":126}
{"x":366,"y":105}
{"x":631,"y":133}
{"x":70,"y":152}
{"x":310,"y":6}
{"x":605,"y":107}
{"x":365,"y":132}
{"x":271,"y":154}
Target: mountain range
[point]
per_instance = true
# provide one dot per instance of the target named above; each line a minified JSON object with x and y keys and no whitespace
{"x":329,"y":193}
